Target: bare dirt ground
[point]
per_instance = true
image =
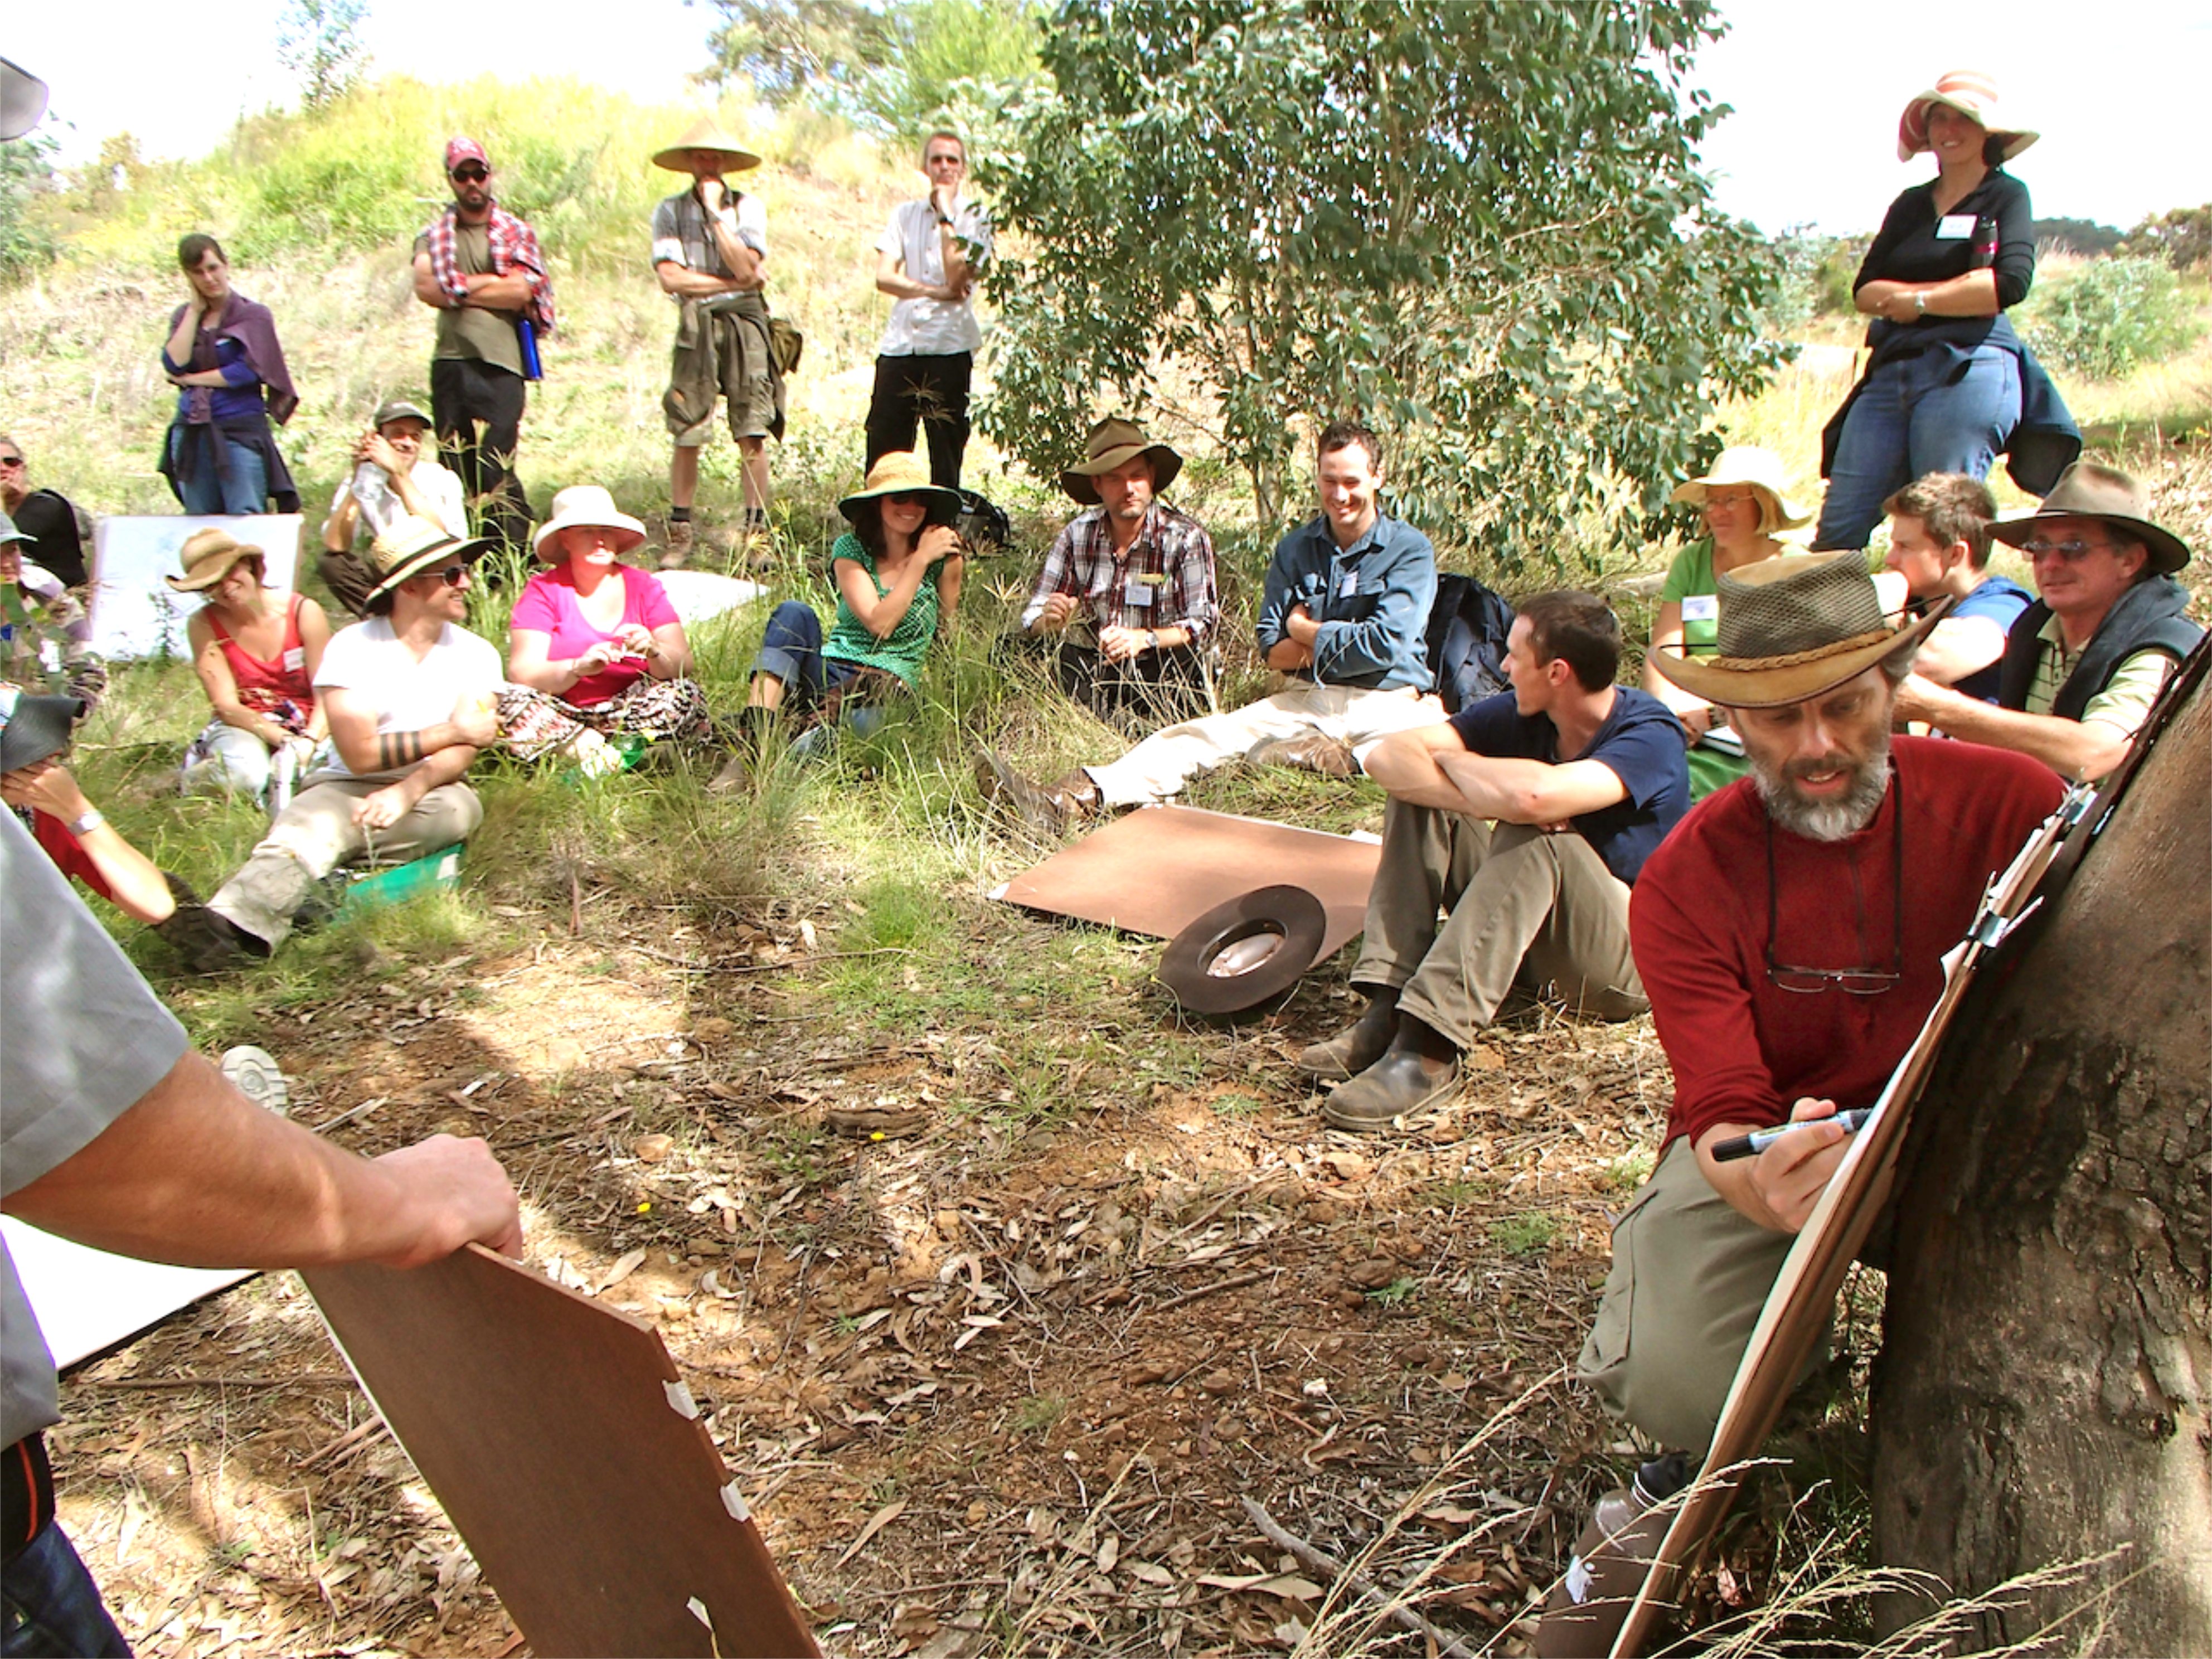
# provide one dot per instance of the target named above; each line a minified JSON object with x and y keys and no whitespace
{"x":990,"y":1388}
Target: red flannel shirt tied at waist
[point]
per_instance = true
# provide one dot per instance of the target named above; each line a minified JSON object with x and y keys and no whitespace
{"x":1171,"y":559}
{"x":513,"y":245}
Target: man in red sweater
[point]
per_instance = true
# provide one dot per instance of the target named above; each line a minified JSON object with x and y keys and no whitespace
{"x":1790,"y":934}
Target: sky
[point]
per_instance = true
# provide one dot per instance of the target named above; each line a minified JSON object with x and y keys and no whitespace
{"x":1816,"y":91}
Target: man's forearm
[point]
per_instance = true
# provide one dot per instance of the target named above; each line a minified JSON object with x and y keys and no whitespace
{"x":195,"y":1174}
{"x":395,"y":751}
{"x":447,"y":766}
{"x":2077,"y":749}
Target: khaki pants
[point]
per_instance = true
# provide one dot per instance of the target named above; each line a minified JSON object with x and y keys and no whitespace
{"x":1160,"y":765}
{"x":1690,"y":1273}
{"x":316,"y":834}
{"x":1527,"y":909}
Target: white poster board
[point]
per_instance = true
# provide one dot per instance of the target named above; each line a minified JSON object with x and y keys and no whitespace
{"x":136,"y":614}
{"x":87,"y":1300}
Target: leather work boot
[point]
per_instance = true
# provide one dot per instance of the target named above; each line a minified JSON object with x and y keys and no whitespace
{"x":676,"y":552}
{"x":208,"y":942}
{"x":1394,"y":1086}
{"x":1316,"y":752}
{"x":1050,"y":809}
{"x":1357,"y":1046}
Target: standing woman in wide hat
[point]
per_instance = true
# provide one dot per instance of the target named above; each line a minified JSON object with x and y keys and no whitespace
{"x":1949,"y":386}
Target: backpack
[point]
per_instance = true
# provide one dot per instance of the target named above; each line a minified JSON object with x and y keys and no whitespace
{"x":1468,"y":626}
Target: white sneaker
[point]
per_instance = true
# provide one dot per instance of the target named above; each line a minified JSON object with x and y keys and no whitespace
{"x":255,"y":1073}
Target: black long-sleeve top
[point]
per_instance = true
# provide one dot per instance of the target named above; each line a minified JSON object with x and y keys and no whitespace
{"x":1993,"y":214}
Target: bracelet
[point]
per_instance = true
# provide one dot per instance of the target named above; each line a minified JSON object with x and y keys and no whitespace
{"x":1920,"y":302}
{"x":1152,"y":639}
{"x":84,"y":826}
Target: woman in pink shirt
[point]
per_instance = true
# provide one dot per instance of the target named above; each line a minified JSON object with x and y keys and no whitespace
{"x":593,"y":646}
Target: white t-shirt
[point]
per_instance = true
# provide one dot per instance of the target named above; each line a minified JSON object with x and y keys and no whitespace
{"x":409,"y":696}
{"x":932,"y":328}
{"x":380,"y":504}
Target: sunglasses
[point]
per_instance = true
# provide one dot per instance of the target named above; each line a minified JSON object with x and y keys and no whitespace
{"x":2071,"y":552}
{"x":11,"y":460}
{"x":908,"y":498}
{"x":471,"y":173}
{"x":454,"y":575}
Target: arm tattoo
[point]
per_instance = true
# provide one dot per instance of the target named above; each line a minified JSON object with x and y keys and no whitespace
{"x":397,"y":749}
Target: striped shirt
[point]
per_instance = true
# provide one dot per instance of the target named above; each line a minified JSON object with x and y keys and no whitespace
{"x":2126,"y":699}
{"x":1166,"y":579}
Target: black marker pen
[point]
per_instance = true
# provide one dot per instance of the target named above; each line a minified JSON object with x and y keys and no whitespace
{"x":1751,"y":1145}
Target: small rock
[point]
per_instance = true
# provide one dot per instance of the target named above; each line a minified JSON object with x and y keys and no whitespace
{"x":652,"y":1149}
{"x":1350,"y":1166}
{"x":978,"y":1513}
{"x":1483,"y":1058}
{"x":710,"y":1030}
{"x":564,"y":1055}
{"x":1150,"y":1371}
{"x":1371,"y":1274}
{"x":1219,"y":1382}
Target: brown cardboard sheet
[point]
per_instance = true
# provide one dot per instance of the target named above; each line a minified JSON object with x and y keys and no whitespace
{"x":1159,"y":869}
{"x":557,"y":1434}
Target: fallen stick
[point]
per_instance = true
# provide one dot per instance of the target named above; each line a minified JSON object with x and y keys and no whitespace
{"x":331,"y":1379}
{"x":1235,"y":1281}
{"x":369,"y":1105}
{"x":1446,"y":1643}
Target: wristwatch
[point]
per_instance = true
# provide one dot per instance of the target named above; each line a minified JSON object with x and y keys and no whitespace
{"x":1920,"y":302}
{"x":82,"y":827}
{"x":1152,"y":639}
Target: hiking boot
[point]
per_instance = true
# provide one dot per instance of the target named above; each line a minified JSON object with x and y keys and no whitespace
{"x":209,"y":944}
{"x":676,"y":550}
{"x":1397,"y":1085}
{"x":1587,"y":1607}
{"x":1049,"y":808}
{"x":1357,"y":1046}
{"x":255,"y":1073}
{"x":1314,"y":750}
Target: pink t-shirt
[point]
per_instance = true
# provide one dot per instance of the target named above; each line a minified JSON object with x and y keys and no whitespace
{"x":548,"y":605}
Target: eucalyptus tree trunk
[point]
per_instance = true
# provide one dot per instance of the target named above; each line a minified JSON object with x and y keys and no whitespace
{"x":2043,"y":1392}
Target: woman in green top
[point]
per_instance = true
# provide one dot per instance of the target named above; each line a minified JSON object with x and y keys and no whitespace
{"x":897,"y":572}
{"x":1742,"y":504}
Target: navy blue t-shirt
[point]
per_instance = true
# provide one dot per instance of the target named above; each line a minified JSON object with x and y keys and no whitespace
{"x":2001,"y":600}
{"x":1641,"y":742}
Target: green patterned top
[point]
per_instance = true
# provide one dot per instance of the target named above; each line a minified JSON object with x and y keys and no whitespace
{"x":902,"y":652}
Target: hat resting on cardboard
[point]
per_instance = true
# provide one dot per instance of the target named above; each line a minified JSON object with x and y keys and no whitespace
{"x":1240,"y":953}
{"x":586,"y":505}
{"x":1974,"y":96}
{"x":2086,"y":490}
{"x":1791,"y":628}
{"x":1114,"y":442}
{"x":207,"y":555}
{"x":409,"y":546}
{"x":1750,"y":467}
{"x":35,"y":727}
{"x":705,"y":133}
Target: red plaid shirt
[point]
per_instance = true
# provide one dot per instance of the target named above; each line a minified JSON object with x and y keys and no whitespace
{"x":1172,"y":558}
{"x":513,"y":246}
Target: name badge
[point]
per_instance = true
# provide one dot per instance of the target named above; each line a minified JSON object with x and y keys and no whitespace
{"x":296,"y":658}
{"x":1955,"y":226}
{"x":1701,"y":607}
{"x":1350,"y":584}
{"x":1137,"y":591}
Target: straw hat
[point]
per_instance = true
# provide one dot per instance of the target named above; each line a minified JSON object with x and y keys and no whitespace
{"x":1758,"y":469}
{"x":207,"y":557}
{"x":902,"y":472}
{"x":1974,"y":96}
{"x":2086,"y":490}
{"x":1113,"y":442}
{"x":1792,"y":627}
{"x":585,"y":504}
{"x":705,"y":133}
{"x":411,"y":546}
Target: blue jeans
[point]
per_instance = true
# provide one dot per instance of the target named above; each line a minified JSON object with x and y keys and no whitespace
{"x":790,"y":651}
{"x":243,"y":490}
{"x":50,"y":1605}
{"x":1937,"y":413}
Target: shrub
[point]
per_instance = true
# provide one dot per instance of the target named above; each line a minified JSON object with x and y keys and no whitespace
{"x":26,"y":170}
{"x":2108,"y":317}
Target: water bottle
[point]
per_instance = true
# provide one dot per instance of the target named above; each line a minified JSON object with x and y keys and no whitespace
{"x":526,"y":332}
{"x":1985,"y":241}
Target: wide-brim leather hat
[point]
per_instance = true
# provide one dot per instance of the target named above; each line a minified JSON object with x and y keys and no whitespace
{"x":1245,"y":951}
{"x":588,"y":505}
{"x":705,"y":133}
{"x":411,"y":546}
{"x":34,"y":727}
{"x":1751,"y":468}
{"x":2086,"y":490}
{"x":1793,"y":627}
{"x":1113,"y":442}
{"x":207,"y":557}
{"x":902,"y":472}
{"x":1974,"y":96}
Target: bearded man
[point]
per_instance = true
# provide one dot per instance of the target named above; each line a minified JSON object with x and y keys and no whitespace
{"x":1790,"y":935}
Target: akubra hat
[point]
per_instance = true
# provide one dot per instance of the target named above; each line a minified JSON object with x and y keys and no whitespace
{"x":588,"y":505}
{"x":2086,"y":490}
{"x":1240,"y":953}
{"x":207,"y":557}
{"x":1974,"y":96}
{"x":902,"y":472}
{"x":1749,"y":467}
{"x":705,"y":133}
{"x":1793,"y":627}
{"x":409,"y":546}
{"x":33,"y":728}
{"x":1113,"y":442}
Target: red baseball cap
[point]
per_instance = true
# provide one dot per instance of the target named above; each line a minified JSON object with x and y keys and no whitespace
{"x":459,"y":150}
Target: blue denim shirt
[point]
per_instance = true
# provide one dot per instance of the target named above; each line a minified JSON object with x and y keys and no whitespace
{"x":1371,"y":599}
